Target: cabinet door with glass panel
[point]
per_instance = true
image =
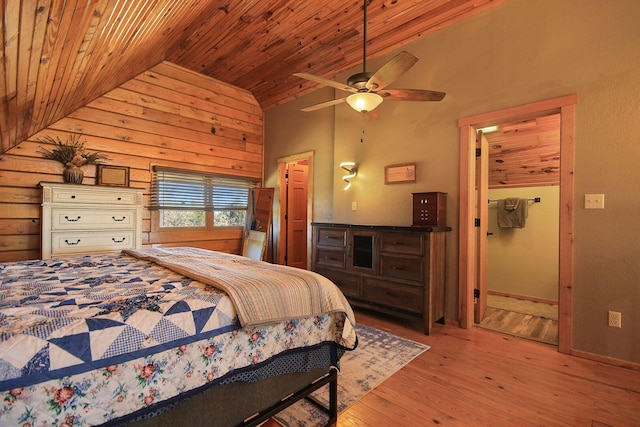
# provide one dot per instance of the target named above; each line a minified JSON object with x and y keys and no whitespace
{"x":362,"y":250}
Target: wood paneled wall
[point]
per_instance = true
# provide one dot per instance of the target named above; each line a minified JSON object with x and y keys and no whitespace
{"x":168,"y":116}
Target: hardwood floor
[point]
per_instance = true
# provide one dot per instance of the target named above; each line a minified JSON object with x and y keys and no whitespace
{"x":521,"y":325}
{"x":483,"y":378}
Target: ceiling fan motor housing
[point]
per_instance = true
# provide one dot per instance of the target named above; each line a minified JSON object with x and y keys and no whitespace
{"x":359,"y":81}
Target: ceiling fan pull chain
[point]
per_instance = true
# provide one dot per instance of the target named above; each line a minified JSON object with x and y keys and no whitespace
{"x":362,"y":135}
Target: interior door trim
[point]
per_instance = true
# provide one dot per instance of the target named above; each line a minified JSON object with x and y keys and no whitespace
{"x":482,"y":213}
{"x":564,"y":105}
{"x":281,"y":199}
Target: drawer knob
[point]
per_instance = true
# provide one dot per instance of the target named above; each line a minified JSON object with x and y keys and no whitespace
{"x":119,"y":198}
{"x":73,"y":196}
{"x":118,"y":241}
{"x":118,"y":220}
{"x":72,"y":243}
{"x":395,"y":267}
{"x":399,"y":244}
{"x":72,"y":220}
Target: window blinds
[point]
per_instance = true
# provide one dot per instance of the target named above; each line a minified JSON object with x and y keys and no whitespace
{"x":176,"y":189}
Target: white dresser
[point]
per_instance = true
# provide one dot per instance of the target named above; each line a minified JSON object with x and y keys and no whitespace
{"x":87,"y":219}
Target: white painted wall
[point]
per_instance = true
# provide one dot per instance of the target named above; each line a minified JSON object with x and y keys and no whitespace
{"x":524,"y":261}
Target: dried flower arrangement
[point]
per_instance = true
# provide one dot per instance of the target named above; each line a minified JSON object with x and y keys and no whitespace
{"x":71,"y":152}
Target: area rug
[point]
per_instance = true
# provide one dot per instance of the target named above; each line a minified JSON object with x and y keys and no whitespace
{"x":378,"y":356}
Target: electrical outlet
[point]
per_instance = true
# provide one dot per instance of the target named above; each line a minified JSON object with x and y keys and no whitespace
{"x":615,"y":319}
{"x":354,"y":206}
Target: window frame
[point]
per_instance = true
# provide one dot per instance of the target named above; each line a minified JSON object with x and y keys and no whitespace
{"x":210,"y":182}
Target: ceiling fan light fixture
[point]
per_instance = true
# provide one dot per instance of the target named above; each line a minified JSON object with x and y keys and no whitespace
{"x":365,"y":85}
{"x":364,"y":101}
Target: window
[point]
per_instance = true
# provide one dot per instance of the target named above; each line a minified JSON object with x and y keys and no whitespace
{"x":188,"y":199}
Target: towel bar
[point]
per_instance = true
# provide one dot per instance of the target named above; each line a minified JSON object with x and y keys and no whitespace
{"x":534,"y":200}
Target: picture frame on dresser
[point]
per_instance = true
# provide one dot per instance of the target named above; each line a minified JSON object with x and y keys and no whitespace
{"x":113,"y":176}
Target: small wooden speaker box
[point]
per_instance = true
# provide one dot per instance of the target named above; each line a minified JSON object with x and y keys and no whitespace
{"x":430,"y":209}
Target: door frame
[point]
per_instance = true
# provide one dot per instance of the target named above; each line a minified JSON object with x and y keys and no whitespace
{"x":564,"y":105}
{"x":280,"y":229}
{"x":482,"y":213}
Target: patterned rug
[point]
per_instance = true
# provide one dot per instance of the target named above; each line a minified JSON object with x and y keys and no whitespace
{"x":378,"y":356}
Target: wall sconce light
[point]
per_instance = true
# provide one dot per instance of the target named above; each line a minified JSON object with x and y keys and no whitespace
{"x":352,"y":168}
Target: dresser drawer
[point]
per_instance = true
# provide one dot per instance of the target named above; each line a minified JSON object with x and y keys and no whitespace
{"x":397,"y":295}
{"x":331,"y":258}
{"x":402,"y":268}
{"x":96,"y":219}
{"x":94,"y":195}
{"x":336,"y":237}
{"x":85,"y":242}
{"x":349,"y":284}
{"x":402,"y":243}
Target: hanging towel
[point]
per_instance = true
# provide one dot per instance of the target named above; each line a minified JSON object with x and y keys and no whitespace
{"x":512,"y":212}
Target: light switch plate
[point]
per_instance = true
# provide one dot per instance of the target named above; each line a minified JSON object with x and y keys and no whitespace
{"x":594,"y":201}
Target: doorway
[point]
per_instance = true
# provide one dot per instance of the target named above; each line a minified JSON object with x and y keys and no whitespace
{"x":295,"y":185}
{"x":517,"y":187}
{"x":565,"y":106}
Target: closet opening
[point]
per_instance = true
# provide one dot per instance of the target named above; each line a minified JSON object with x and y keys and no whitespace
{"x":522,"y":188}
{"x":472,"y":259}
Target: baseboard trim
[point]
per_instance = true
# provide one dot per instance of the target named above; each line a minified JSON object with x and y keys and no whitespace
{"x":523,"y":297}
{"x":451,"y":322}
{"x":606,"y":359}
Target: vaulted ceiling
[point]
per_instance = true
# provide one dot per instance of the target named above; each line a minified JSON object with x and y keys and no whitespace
{"x":57,"y":55}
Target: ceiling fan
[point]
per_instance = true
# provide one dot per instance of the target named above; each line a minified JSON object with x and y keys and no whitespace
{"x":368,"y":90}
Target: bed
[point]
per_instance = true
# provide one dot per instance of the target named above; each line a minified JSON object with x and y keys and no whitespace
{"x":165,"y":336}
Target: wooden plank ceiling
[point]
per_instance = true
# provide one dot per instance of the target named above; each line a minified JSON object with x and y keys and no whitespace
{"x":525,"y":153}
{"x":58,"y":55}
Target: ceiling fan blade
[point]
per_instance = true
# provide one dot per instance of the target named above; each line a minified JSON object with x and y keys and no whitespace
{"x":390,"y":71}
{"x":411,"y":95}
{"x":323,"y":105}
{"x":325,"y":82}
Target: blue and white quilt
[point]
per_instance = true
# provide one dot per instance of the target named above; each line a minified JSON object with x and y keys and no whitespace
{"x":90,"y":339}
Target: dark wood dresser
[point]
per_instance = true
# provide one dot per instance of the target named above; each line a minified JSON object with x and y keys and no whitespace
{"x":395,"y":270}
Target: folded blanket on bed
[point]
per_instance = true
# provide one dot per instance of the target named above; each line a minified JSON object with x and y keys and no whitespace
{"x":262,"y":292}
